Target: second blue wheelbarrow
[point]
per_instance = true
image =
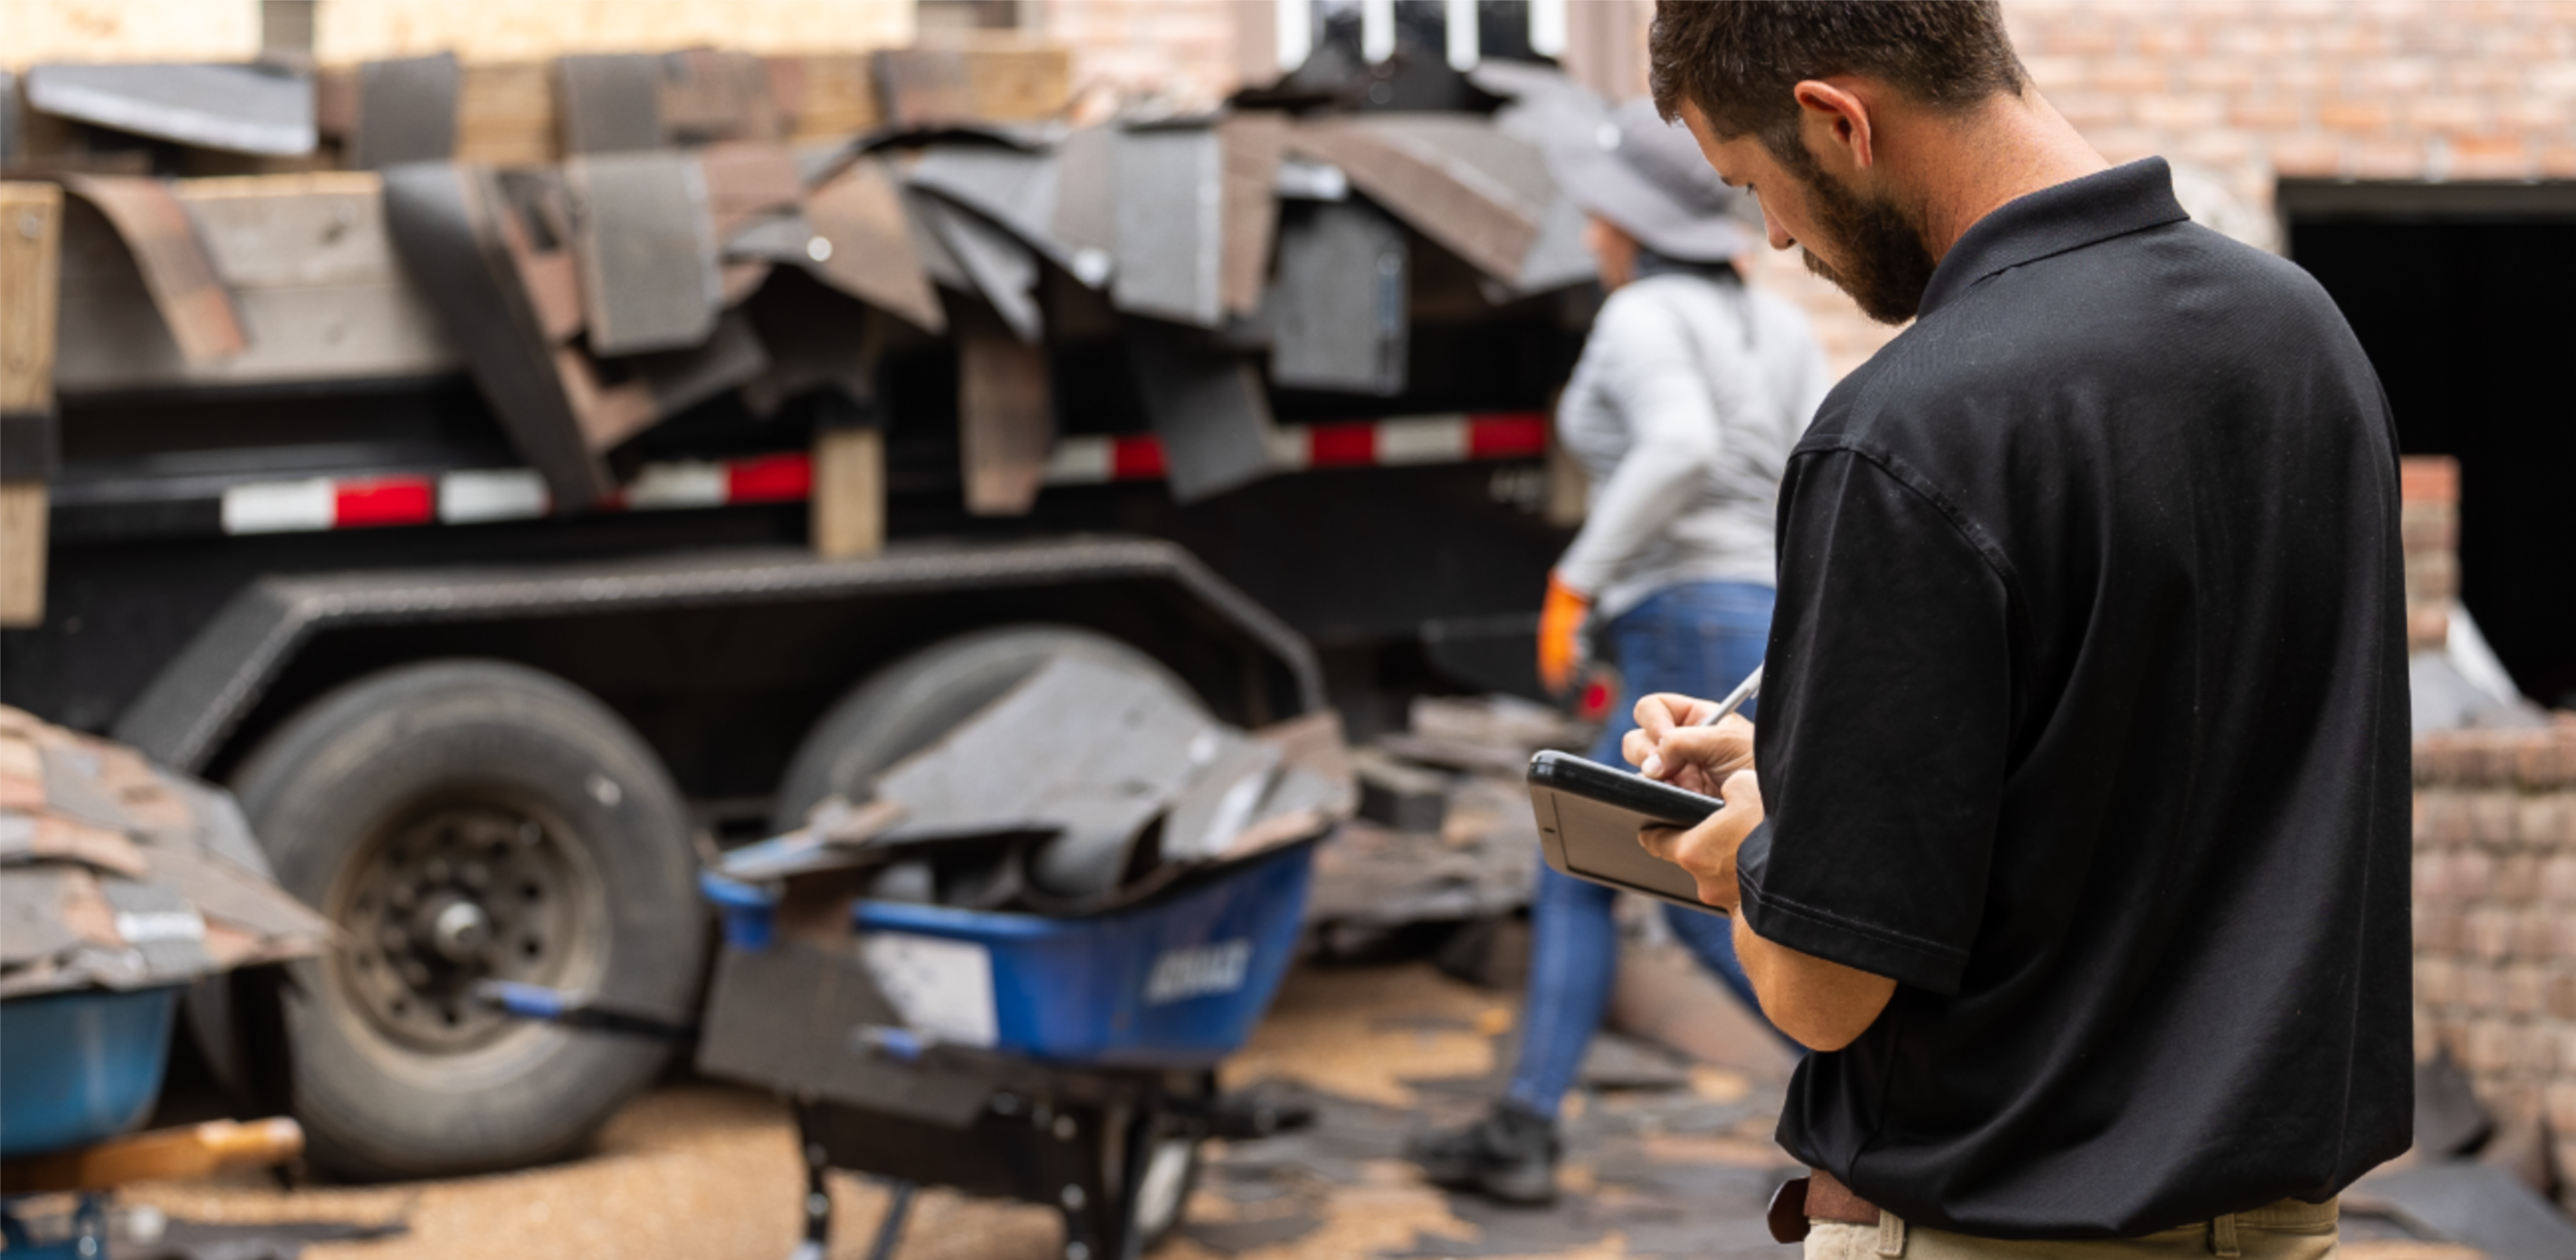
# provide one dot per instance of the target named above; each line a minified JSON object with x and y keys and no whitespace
{"x":1063,"y":1061}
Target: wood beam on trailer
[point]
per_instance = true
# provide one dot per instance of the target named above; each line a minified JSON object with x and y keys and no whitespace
{"x":31,"y":221}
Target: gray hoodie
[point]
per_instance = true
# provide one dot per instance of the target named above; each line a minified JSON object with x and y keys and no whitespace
{"x":1690,"y":393}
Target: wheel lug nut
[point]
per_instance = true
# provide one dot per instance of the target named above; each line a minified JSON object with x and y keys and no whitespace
{"x":414,"y":973}
{"x":392,"y":939}
{"x":473,"y":875}
{"x":436,"y":871}
{"x":401,"y":897}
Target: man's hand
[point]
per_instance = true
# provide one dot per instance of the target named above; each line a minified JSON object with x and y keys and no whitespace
{"x":1824,"y":1005}
{"x":1707,"y":851}
{"x":1670,"y":744}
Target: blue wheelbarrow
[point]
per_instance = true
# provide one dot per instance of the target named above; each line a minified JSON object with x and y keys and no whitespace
{"x":1068,"y":1062}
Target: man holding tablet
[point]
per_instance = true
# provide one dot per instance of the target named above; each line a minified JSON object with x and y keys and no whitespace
{"x":2075,"y":833}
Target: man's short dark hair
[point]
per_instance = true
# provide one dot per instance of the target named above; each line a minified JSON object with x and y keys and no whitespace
{"x":1738,"y":59}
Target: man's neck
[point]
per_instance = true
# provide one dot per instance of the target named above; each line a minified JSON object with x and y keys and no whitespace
{"x":2010,"y":148}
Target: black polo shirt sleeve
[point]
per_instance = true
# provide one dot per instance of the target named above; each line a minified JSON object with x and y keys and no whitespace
{"x":1883,"y":743}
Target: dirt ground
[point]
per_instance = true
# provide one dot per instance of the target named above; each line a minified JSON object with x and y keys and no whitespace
{"x":1676,"y":1163}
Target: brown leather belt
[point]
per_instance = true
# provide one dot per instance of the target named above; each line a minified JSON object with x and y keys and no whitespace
{"x":1818,"y":1196}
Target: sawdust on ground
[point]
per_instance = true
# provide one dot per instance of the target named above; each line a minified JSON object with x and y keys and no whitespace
{"x":705,"y":1171}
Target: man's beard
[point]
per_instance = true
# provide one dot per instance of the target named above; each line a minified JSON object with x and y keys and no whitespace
{"x":1886,"y":268}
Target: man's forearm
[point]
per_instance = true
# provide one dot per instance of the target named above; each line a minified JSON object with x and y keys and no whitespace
{"x":1821,"y":1005}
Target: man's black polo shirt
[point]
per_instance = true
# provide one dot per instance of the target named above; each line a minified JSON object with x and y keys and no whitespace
{"x":2085,"y":719}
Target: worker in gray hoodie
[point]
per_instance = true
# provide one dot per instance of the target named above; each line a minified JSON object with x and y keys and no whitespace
{"x":1691,"y":390}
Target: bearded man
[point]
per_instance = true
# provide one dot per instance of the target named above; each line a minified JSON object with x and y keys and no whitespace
{"x":2074,"y":838}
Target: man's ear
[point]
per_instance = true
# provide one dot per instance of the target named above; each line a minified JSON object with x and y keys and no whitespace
{"x":1835,"y":124}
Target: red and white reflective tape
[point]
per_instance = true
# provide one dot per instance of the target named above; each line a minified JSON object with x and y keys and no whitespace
{"x":1448,"y":439}
{"x":519,"y":494}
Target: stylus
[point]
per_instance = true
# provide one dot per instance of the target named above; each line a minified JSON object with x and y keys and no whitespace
{"x":1746,"y":690}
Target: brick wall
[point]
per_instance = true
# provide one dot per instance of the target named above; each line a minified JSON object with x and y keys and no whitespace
{"x":2495,"y":919}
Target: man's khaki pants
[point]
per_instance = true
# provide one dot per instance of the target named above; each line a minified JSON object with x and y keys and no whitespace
{"x":2287,"y":1230}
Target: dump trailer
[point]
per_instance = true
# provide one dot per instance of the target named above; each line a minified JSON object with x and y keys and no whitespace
{"x":512,"y":536}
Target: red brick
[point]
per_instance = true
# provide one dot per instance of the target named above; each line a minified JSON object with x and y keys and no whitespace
{"x":2477,"y":989}
{"x":2442,"y":113}
{"x":2055,"y":74}
{"x":2082,"y":40}
{"x":2393,"y":76}
{"x":2180,"y":113}
{"x":2445,"y":817}
{"x":2520,"y":989}
{"x":2559,"y":1099}
{"x":2091,"y":111}
{"x":2495,"y":816}
{"x":2130,"y":74}
{"x":2490,"y":157}
{"x":2488,"y":932}
{"x":2376,"y":158}
{"x":2517,"y":879}
{"x":2540,"y":819}
{"x":2429,"y":477}
{"x":2489,"y":1046}
{"x":2174,"y":38}
{"x":2557,"y":996}
{"x":2437,"y":929}
{"x":2221,"y":74}
{"x":2312,"y":156}
{"x":2546,"y":758}
{"x":2558,"y":162}
{"x":2558,"y":873}
{"x":2436,"y":982}
{"x":2370,"y":117}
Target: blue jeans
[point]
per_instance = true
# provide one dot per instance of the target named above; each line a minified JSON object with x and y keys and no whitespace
{"x":1699,"y":639}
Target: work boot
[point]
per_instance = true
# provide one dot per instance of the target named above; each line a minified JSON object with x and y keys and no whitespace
{"x":1509,"y":1156}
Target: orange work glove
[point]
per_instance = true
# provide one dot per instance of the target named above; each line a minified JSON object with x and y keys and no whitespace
{"x":1560,"y":631}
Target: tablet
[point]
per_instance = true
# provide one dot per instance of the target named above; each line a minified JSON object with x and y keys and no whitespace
{"x":1589,"y":816}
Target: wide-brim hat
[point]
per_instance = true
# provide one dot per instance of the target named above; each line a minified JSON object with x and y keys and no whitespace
{"x":1648,"y":177}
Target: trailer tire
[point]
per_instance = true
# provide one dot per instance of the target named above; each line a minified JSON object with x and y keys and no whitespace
{"x":399,"y":797}
{"x":901,"y":708}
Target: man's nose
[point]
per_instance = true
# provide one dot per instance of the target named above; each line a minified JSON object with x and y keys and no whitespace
{"x":1780,"y":238}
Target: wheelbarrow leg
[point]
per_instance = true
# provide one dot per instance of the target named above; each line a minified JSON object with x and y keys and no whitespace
{"x":817,"y":1244}
{"x":890,"y":1230}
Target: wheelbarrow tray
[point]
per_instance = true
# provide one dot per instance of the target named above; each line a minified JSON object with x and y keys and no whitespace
{"x":1175,"y":982}
{"x":84,"y":1066}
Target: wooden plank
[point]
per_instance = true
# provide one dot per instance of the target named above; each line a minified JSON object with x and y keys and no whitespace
{"x":22,"y":553}
{"x":505,"y":114}
{"x":1018,"y":84}
{"x":1005,"y":416}
{"x":172,"y":259}
{"x":164,"y":1154}
{"x":1249,"y":211}
{"x":824,"y":97}
{"x":113,"y":340}
{"x":849,"y":492}
{"x":278,"y":231}
{"x":31,"y":236}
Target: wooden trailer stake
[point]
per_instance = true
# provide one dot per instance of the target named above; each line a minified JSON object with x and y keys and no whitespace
{"x":31,"y":236}
{"x":849,"y":492}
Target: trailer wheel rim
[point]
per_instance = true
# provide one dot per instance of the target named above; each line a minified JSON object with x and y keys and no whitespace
{"x":457,"y":893}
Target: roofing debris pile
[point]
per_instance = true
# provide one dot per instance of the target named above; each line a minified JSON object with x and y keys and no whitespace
{"x":721,"y":224}
{"x":1091,"y":785}
{"x":1444,"y":831}
{"x":116,"y":874}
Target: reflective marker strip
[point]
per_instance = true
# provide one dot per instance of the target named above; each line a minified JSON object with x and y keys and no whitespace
{"x":477,"y":496}
{"x":278,"y":507}
{"x":499,"y":494}
{"x":1339,"y":444}
{"x":383,"y":501}
{"x":770,"y":479}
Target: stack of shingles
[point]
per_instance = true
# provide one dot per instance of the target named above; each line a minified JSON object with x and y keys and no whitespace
{"x":594,"y":299}
{"x":118,"y":875}
{"x":1445,"y":831}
